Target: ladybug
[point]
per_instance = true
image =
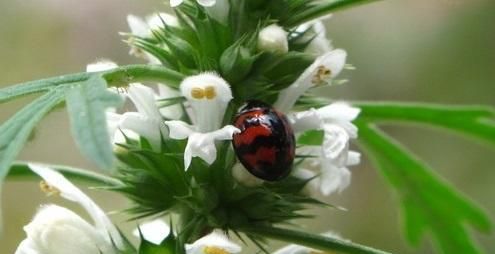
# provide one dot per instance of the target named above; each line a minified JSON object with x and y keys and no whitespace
{"x":266,"y":144}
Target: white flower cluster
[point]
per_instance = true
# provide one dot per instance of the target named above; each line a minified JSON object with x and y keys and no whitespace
{"x":335,"y":120}
{"x":58,"y":230}
{"x":208,"y":95}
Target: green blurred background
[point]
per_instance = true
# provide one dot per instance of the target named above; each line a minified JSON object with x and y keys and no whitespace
{"x":439,"y":51}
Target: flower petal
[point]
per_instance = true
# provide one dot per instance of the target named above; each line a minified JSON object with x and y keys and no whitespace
{"x":208,"y":95}
{"x":158,"y":21}
{"x":57,"y":230}
{"x":215,"y":239}
{"x":207,"y":3}
{"x":179,"y":129}
{"x":202,"y":145}
{"x":335,"y":144}
{"x":151,"y":129}
{"x":175,"y":3}
{"x":333,"y":178}
{"x":324,"y":68}
{"x":154,"y":231}
{"x":72,"y":193}
{"x":144,"y":99}
{"x":306,"y":120}
{"x":138,"y":26}
{"x":339,"y":112}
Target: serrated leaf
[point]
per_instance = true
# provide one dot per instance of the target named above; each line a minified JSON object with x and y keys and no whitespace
{"x":429,"y":203}
{"x":15,"y":131}
{"x":42,"y":85}
{"x":475,"y":121}
{"x":86,"y":104}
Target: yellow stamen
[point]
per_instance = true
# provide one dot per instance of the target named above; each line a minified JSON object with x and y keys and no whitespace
{"x":48,"y":189}
{"x":210,"y":92}
{"x":321,"y":75}
{"x":198,"y":93}
{"x":214,"y":250}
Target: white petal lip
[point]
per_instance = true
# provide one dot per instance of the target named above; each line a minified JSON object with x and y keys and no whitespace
{"x":72,"y":193}
{"x":154,"y":231}
{"x":215,"y":239}
{"x":199,"y":144}
{"x":179,"y":129}
{"x":340,"y":111}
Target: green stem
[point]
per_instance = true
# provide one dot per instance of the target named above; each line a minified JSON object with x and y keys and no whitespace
{"x":310,"y":240}
{"x":141,"y":73}
{"x":21,"y":171}
{"x":120,"y":76}
{"x":322,"y":9}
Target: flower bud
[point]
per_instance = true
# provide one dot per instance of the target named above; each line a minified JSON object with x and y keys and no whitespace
{"x":273,"y":38}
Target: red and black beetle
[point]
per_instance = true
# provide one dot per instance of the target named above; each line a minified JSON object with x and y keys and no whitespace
{"x":266,"y":144}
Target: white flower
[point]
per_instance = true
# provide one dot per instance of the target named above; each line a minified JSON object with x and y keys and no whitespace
{"x":154,"y":231}
{"x":273,"y":38}
{"x":208,"y":96}
{"x":319,"y":43}
{"x":146,"y":122}
{"x":332,"y":176}
{"x":214,"y":243}
{"x":57,"y":230}
{"x":323,"y":69}
{"x":205,"y":3}
{"x":144,"y":28}
{"x":335,"y":120}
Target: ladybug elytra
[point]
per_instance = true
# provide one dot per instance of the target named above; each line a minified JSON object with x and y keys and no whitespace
{"x":266,"y":145}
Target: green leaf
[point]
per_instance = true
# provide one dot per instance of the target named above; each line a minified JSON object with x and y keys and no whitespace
{"x":15,"y":131}
{"x":429,"y":204}
{"x":475,"y":121}
{"x":86,"y":104}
